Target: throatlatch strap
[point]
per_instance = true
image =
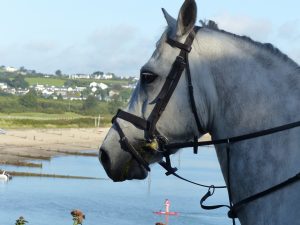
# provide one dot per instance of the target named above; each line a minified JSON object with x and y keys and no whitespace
{"x":192,"y":98}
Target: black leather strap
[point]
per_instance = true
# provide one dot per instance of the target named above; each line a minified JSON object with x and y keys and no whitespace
{"x":192,"y":98}
{"x":249,"y":136}
{"x":171,"y":80}
{"x":149,"y":126}
{"x":166,"y":93}
{"x":206,"y":196}
{"x":234,"y":209}
{"x":135,"y":120}
{"x":184,"y":47}
{"x":126,"y":146}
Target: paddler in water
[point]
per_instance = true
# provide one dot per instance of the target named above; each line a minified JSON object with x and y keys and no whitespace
{"x":167,"y":205}
{"x":21,"y":221}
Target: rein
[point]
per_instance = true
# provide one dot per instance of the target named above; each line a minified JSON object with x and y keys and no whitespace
{"x":151,"y":133}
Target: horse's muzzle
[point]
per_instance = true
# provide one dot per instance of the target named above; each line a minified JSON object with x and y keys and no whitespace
{"x":126,"y":169}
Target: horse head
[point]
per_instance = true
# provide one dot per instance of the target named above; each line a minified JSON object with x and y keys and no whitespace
{"x":175,"y":122}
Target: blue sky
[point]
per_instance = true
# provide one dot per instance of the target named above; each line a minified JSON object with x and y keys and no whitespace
{"x":83,"y":36}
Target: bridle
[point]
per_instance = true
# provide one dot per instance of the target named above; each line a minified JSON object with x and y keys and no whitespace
{"x":151,"y":133}
{"x":149,"y":125}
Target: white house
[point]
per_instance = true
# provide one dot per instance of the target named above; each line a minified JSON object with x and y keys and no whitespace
{"x":107,"y":76}
{"x":11,"y":91}
{"x":93,"y":84}
{"x":79,"y":76}
{"x":102,"y":86}
{"x":70,"y":89}
{"x":112,"y":93}
{"x":47,"y":93}
{"x":80,"y":89}
{"x":21,"y":92}
{"x":3,"y":86}
{"x":39,"y":87}
{"x":10,"y":69}
{"x":94,"y":89}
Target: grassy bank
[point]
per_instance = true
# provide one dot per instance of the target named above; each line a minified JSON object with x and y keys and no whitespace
{"x":44,"y":120}
{"x":59,"y":82}
{"x":49,"y":113}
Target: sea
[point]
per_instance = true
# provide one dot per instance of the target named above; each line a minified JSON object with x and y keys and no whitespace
{"x":47,"y":201}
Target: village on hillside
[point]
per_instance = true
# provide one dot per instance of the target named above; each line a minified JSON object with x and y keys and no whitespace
{"x":104,"y":86}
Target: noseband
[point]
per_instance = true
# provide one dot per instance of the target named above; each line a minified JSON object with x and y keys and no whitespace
{"x":149,"y":125}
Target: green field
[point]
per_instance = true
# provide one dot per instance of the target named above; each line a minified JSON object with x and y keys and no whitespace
{"x":108,"y":82}
{"x":42,"y":116}
{"x":45,"y":81}
{"x":45,"y":120}
{"x":60,"y":81}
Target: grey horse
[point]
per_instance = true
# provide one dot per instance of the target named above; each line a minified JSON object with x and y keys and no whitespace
{"x":240,"y":86}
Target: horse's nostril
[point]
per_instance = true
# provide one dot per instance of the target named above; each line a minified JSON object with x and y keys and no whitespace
{"x":104,"y":158}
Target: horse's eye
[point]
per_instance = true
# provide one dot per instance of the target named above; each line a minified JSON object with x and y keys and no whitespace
{"x":148,"y":77}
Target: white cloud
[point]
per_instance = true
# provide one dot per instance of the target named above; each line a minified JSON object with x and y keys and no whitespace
{"x":121,"y":49}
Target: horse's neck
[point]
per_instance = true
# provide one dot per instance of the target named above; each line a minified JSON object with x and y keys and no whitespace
{"x":249,"y":90}
{"x":241,"y":78}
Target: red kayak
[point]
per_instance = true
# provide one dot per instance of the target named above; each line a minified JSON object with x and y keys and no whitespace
{"x":167,"y":213}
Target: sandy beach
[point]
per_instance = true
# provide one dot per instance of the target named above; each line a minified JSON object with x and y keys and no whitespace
{"x":19,"y":145}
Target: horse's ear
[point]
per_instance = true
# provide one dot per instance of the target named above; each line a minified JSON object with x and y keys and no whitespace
{"x":170,"y":20}
{"x":186,"y":18}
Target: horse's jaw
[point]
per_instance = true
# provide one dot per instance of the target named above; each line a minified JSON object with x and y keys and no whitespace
{"x":125,"y":168}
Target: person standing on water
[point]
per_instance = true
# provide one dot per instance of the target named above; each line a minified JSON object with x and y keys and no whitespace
{"x":167,"y":205}
{"x":21,"y":221}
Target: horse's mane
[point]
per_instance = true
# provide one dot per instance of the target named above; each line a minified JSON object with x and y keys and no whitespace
{"x":212,"y":25}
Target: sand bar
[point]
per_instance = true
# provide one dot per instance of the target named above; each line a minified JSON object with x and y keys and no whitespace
{"x":18,"y":145}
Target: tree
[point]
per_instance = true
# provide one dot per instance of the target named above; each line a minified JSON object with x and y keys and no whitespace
{"x":86,"y":92}
{"x":125,"y":94}
{"x":90,"y":103}
{"x":102,"y":93}
{"x":98,"y":73}
{"x":58,"y":73}
{"x":19,"y":82}
{"x":60,"y":97}
{"x":22,"y":69}
{"x":117,"y":87}
{"x":29,"y":100}
{"x":114,"y":105}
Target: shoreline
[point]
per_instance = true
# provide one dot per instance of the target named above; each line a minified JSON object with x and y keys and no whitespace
{"x":18,"y":146}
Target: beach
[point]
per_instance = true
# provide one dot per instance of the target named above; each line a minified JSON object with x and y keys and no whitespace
{"x":17,"y":146}
{"x":20,"y":145}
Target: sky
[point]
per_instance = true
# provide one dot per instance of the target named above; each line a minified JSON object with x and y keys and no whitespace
{"x":84,"y":36}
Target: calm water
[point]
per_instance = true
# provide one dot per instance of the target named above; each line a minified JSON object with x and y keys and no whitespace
{"x":45,"y":201}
